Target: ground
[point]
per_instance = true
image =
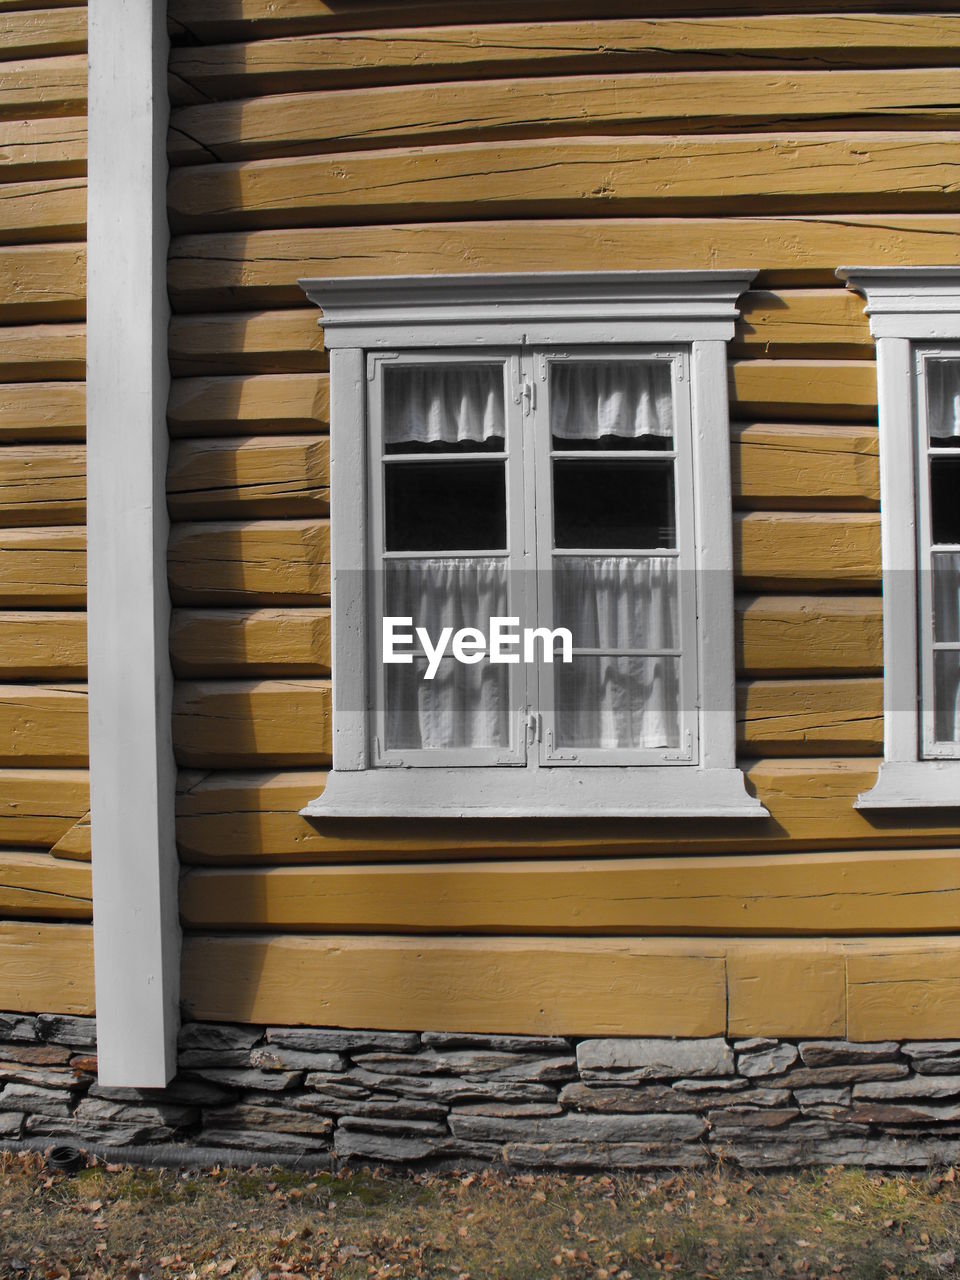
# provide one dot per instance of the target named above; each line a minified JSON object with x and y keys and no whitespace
{"x":116,"y":1222}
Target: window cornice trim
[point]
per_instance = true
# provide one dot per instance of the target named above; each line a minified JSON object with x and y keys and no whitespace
{"x":908,"y":302}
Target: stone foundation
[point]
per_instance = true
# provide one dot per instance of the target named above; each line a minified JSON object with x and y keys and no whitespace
{"x":316,"y":1097}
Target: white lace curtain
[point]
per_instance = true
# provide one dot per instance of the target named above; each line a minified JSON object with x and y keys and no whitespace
{"x":443,"y":404}
{"x":946,"y":612}
{"x":943,"y":400}
{"x":625,"y":398}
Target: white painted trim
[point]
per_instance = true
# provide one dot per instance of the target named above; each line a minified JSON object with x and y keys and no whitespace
{"x":905,"y":305}
{"x":133,"y":776}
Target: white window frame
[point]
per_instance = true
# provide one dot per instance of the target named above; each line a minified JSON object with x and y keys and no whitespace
{"x":695,"y":311}
{"x":911,"y":311}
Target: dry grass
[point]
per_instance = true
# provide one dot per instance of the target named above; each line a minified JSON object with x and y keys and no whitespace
{"x":120,"y":1222}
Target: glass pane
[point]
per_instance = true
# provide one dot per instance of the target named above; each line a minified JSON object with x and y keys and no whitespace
{"x":946,"y":596}
{"x":613,"y":504}
{"x":618,"y":702}
{"x":945,"y":499}
{"x":443,"y":408}
{"x":617,"y":602}
{"x":447,"y":592}
{"x":445,"y":506}
{"x":462,"y":706}
{"x":611,"y":404}
{"x":943,"y":402}
{"x":946,"y":695}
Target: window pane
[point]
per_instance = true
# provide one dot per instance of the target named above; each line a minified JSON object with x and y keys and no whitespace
{"x":611,"y":404}
{"x":462,"y":706}
{"x":945,"y":499}
{"x":617,"y":602}
{"x":613,"y":504}
{"x":943,"y":402}
{"x":445,"y":506}
{"x":444,"y":408}
{"x":447,"y":592}
{"x":946,"y":695}
{"x":946,"y":596}
{"x":618,"y":702}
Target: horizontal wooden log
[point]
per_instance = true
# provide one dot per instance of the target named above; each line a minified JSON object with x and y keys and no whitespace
{"x":874,"y":891}
{"x":41,"y":645}
{"x":260,"y":269}
{"x":803,"y":635}
{"x":249,"y":642}
{"x":42,"y":484}
{"x":43,"y":32}
{"x":806,"y":551}
{"x":805,"y":467}
{"x":256,"y":342}
{"x":273,"y":120}
{"x":281,"y":403}
{"x":902,"y":988}
{"x":251,"y":476}
{"x":75,"y":844}
{"x":749,"y":173}
{"x":271,"y":562}
{"x":34,"y":886}
{"x":46,"y":968}
{"x":42,"y":566}
{"x":42,"y":282}
{"x":44,"y":87}
{"x":235,"y":818}
{"x":238,"y":723}
{"x":55,"y":209}
{"x":654,"y":987}
{"x":801,"y":321}
{"x":51,"y":147}
{"x":42,"y":411}
{"x":39,"y":806}
{"x":39,"y":352}
{"x":43,"y":725}
{"x":804,"y":390}
{"x":810,"y":717}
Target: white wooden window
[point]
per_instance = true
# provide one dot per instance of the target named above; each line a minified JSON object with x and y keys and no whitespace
{"x":915,"y":318}
{"x":553,"y":449}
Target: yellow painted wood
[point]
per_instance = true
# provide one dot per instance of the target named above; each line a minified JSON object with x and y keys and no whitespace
{"x":38,"y":352}
{"x":75,"y":844}
{"x":903,"y":989}
{"x":237,"y":723}
{"x":786,"y":988}
{"x":868,"y":892}
{"x":805,"y":466}
{"x":235,"y":818}
{"x":272,"y":120}
{"x":804,"y":389}
{"x":55,"y":209}
{"x":280,"y":403}
{"x":250,"y":642}
{"x":43,"y":32}
{"x":43,"y":644}
{"x":796,"y":635}
{"x":38,"y":806}
{"x":50,"y":147}
{"x":252,"y":342}
{"x":34,"y":886}
{"x":44,"y":87}
{"x":48,"y":411}
{"x":42,"y":282}
{"x":250,"y":476}
{"x":46,"y":968}
{"x":259,"y":269}
{"x":585,"y":987}
{"x":807,"y":551}
{"x":786,"y":320}
{"x":43,"y":725}
{"x":42,"y":484}
{"x":810,"y":717}
{"x":750,"y":173}
{"x":41,"y":567}
{"x":270,"y":562}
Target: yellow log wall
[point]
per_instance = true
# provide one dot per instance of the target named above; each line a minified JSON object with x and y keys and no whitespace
{"x":46,"y":950}
{"x":312,"y":139}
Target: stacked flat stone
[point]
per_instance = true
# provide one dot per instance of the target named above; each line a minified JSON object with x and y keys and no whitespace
{"x":319,"y":1096}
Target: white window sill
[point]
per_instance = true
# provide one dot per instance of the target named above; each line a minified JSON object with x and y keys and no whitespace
{"x":917,"y":784}
{"x":549,"y":793}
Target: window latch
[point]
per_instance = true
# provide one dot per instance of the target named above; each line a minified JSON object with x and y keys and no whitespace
{"x":528,"y":396}
{"x":533,"y":723}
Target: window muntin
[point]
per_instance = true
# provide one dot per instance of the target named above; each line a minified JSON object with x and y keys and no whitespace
{"x":938,"y":529}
